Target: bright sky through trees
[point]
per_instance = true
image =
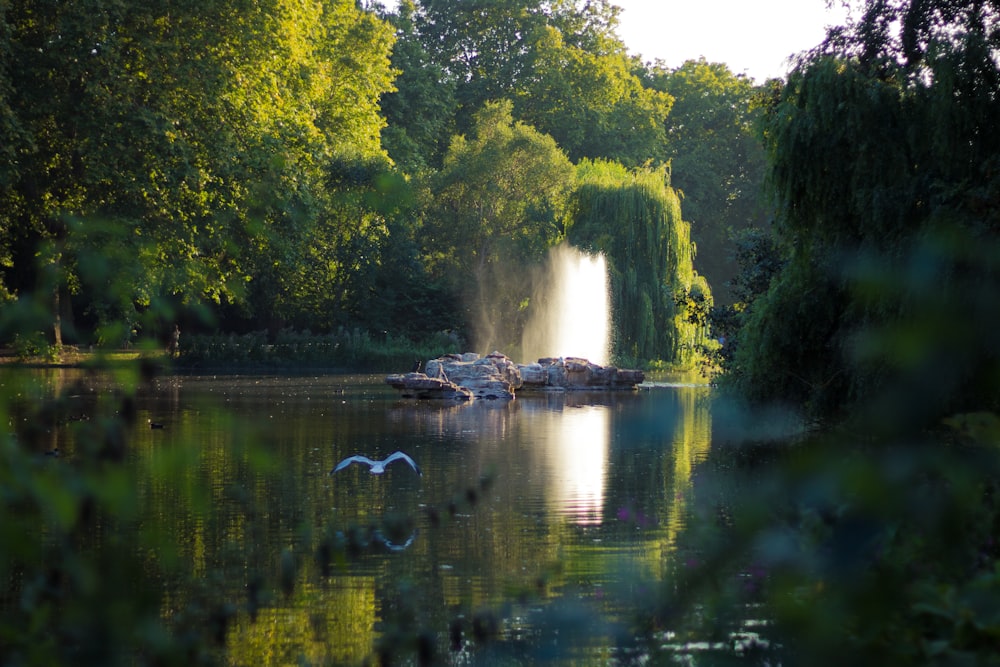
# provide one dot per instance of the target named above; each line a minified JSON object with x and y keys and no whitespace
{"x":753,"y":37}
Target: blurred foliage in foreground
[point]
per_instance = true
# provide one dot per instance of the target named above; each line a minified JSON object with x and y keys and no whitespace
{"x":105,"y":559}
{"x":67,"y":596}
{"x":884,"y":170}
{"x":849,"y":549}
{"x":844,"y":550}
{"x":874,"y":541}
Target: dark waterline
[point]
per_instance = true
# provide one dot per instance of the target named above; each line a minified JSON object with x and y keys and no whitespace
{"x":542,"y":521}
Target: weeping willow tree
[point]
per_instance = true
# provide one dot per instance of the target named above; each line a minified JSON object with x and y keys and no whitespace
{"x":659,"y":302}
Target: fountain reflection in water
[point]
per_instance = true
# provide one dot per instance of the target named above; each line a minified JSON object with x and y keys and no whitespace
{"x":579,"y":458}
{"x":572,"y":317}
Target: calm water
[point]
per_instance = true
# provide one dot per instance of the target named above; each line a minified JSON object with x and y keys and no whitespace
{"x":538,"y":522}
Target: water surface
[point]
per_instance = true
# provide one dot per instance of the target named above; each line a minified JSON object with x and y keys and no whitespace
{"x":536,"y":526}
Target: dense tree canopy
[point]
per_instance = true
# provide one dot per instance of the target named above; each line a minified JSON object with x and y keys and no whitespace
{"x":327,"y":163}
{"x":205,"y":129}
{"x":420,"y":112}
{"x":593,"y":104}
{"x":884,"y":168}
{"x":498,"y":204}
{"x":634,"y":218}
{"x":559,"y":61}
{"x":717,"y":161}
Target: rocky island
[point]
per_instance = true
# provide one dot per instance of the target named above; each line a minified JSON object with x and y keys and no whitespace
{"x":495,"y":376}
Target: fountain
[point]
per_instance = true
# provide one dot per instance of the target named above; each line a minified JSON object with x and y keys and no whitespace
{"x":569,"y":336}
{"x":572,"y":317}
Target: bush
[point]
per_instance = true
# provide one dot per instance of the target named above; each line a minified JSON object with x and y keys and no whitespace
{"x":34,"y":345}
{"x":345,"y":350}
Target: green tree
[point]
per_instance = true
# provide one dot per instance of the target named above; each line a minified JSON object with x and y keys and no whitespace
{"x":202,"y":129}
{"x":758,"y":260}
{"x":884,"y":172}
{"x":592,"y":103}
{"x":484,"y":47}
{"x":420,"y":112}
{"x":497,"y":205}
{"x":634,"y":218}
{"x":880,"y":323}
{"x":591,"y":25}
{"x":717,"y":160}
{"x":12,"y":141}
{"x":559,"y":61}
{"x":314,"y":198}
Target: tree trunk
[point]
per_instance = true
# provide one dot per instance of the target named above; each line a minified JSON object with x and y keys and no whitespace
{"x":57,"y":317}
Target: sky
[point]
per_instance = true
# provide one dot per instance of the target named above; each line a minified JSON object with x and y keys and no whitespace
{"x":752,"y":37}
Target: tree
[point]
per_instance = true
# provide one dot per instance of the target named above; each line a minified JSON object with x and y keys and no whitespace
{"x":497,"y":205}
{"x":314,"y":196}
{"x":717,"y":160}
{"x":483,"y":47}
{"x":634,"y":218}
{"x":12,"y":141}
{"x":202,"y":129}
{"x":884,"y":172}
{"x":592,"y":104}
{"x":420,"y":112}
{"x":559,"y":61}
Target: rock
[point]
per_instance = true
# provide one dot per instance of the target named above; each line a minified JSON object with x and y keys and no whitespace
{"x":419,"y":385}
{"x":576,"y":374}
{"x":493,"y":376}
{"x":534,"y":375}
{"x":463,"y":376}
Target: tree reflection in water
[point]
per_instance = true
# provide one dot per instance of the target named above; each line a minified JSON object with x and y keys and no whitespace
{"x":538,"y":529}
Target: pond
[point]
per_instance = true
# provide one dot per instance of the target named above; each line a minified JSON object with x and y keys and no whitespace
{"x":536,"y":530}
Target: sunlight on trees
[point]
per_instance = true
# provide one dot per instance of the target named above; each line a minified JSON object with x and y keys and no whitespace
{"x":634,"y":218}
{"x":498,"y":205}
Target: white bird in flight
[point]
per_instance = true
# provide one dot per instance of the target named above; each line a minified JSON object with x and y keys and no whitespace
{"x":377,"y":467}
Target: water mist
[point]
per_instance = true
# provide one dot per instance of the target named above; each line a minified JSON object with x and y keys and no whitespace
{"x":571,"y":310}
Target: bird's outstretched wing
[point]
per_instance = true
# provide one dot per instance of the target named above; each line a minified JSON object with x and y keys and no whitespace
{"x":357,"y":458}
{"x":402,"y":456}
